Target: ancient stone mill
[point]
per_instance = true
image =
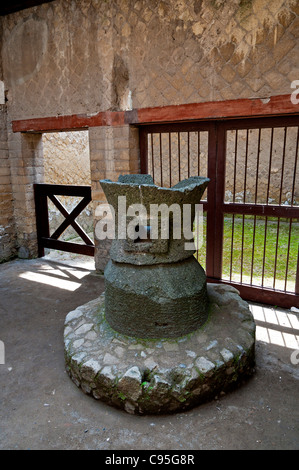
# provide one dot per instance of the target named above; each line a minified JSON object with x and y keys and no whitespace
{"x":160,"y":339}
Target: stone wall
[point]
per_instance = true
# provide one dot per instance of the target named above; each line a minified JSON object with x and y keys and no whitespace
{"x":7,"y":229}
{"x":26,"y":163}
{"x":87,"y":56}
{"x":67,"y":161}
{"x":113,"y":150}
{"x":66,"y":158}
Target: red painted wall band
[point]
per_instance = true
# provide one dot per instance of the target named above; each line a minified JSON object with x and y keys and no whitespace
{"x":276,"y":105}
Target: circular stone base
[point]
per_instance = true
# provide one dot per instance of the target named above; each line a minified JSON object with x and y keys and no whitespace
{"x":153,"y":376}
{"x":156,"y":301}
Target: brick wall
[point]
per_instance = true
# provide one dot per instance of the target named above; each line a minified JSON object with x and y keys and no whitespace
{"x":26,"y":163}
{"x":113,"y":151}
{"x":7,"y":230}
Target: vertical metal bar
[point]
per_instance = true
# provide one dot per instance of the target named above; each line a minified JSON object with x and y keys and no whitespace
{"x":246,"y":162}
{"x":152,"y":147}
{"x":288,"y":255}
{"x":276,"y":252}
{"x":257,"y":165}
{"x":293,"y":190}
{"x":280,"y":197}
{"x":179,"y":154}
{"x":242,"y":247}
{"x":234,"y":195}
{"x":235,"y":164}
{"x":295,"y":167}
{"x":188,"y":151}
{"x":161,"y":160}
{"x":270,"y":166}
{"x":235,"y":176}
{"x":282,"y":164}
{"x":169,"y":144}
{"x":198,"y":153}
{"x":252,"y":253}
{"x":264,"y":252}
{"x":244,"y":200}
{"x":255,"y":200}
{"x":297,"y":276}
{"x":232,"y":248}
{"x":267,"y":201}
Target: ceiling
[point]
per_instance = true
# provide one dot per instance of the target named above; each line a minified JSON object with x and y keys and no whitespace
{"x":11,"y":6}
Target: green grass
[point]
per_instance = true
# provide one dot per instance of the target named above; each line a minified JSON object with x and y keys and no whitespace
{"x":264,"y":239}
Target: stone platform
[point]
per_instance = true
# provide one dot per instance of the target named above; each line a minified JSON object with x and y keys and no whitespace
{"x":157,"y":376}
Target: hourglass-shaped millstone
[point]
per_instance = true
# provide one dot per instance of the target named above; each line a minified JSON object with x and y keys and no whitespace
{"x":154,"y":286}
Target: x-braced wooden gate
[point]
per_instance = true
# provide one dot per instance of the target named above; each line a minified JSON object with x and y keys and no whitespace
{"x":45,"y":240}
{"x":252,"y":201}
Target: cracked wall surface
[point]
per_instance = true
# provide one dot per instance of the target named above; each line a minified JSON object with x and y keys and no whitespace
{"x":86,"y":56}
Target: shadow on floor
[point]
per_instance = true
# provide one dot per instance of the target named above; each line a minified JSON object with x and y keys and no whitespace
{"x":41,"y":408}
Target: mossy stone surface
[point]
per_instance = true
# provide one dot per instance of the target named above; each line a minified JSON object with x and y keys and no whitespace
{"x":156,"y":301}
{"x":154,"y":376}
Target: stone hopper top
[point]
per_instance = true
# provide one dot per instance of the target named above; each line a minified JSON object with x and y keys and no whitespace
{"x":159,"y":207}
{"x":140,"y":189}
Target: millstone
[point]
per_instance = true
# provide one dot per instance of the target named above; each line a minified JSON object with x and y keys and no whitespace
{"x":156,"y":301}
{"x":153,"y":376}
{"x":160,"y":339}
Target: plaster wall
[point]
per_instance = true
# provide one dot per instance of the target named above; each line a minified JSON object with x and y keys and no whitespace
{"x":87,"y":56}
{"x":67,"y":162}
{"x":90,"y":55}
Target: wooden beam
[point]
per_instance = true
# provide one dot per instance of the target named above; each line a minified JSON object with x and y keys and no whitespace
{"x":68,"y":246}
{"x":268,"y":210}
{"x":71,"y":122}
{"x":239,"y":108}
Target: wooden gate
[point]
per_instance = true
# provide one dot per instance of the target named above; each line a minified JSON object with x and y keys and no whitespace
{"x":252,"y":201}
{"x":45,"y":240}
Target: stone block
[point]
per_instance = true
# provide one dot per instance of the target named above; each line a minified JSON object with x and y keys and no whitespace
{"x":172,"y":303}
{"x":148,"y":377}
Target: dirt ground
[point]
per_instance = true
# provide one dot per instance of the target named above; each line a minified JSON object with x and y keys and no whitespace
{"x":41,"y":408}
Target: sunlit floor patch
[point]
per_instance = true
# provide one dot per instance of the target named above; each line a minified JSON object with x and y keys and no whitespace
{"x":51,"y":280}
{"x":275,"y":326}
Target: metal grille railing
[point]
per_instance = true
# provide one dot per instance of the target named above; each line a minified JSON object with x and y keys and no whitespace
{"x":251,"y":204}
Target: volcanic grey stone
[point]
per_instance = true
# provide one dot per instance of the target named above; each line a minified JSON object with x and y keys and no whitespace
{"x":164,"y":301}
{"x":154,"y":287}
{"x":130,"y":384}
{"x":168,"y":379}
{"x":139,"y":189}
{"x":135,"y":179}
